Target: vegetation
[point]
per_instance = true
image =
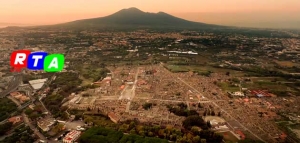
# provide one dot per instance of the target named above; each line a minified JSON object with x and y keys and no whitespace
{"x":22,"y":134}
{"x":181,"y":110}
{"x":147,"y":106}
{"x":194,"y":120}
{"x":5,"y":127}
{"x":250,"y":141}
{"x":176,"y":68}
{"x":67,"y":83}
{"x":6,"y":108}
{"x":192,"y":133}
{"x":63,"y":85}
{"x":95,"y":74}
{"x":100,"y":135}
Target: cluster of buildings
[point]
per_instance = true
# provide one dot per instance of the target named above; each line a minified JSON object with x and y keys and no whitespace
{"x":72,"y":136}
{"x":45,"y":123}
{"x":21,"y":97}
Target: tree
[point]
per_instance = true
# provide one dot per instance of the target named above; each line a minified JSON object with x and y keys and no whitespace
{"x":208,"y":124}
{"x":196,"y":139}
{"x":150,"y":134}
{"x":147,"y":106}
{"x":199,"y":105}
{"x":219,"y":114}
{"x":161,"y":133}
{"x":194,"y":120}
{"x":204,"y":113}
{"x":227,"y":73}
{"x":142,"y":133}
{"x":208,"y":112}
{"x":131,"y":125}
{"x":213,"y":113}
{"x":132,"y":131}
{"x":203,"y":140}
{"x":195,"y":130}
{"x":5,"y":127}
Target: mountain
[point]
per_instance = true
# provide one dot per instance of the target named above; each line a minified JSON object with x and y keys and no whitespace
{"x":135,"y":18}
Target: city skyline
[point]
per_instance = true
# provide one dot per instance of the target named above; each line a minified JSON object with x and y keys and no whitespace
{"x":247,"y":13}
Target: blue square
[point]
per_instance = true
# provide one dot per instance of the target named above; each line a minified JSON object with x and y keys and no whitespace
{"x":36,"y":60}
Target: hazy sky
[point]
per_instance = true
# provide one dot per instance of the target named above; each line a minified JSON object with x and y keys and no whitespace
{"x":255,"y":13}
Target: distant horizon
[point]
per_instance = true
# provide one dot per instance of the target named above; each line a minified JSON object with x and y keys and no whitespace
{"x":246,"y":13}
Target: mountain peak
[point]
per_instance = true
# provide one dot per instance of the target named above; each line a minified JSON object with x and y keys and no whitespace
{"x":131,"y":9}
{"x":133,"y":17}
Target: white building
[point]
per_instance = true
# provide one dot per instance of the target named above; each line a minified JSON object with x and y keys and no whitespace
{"x":37,"y":84}
{"x":237,"y":93}
{"x":72,"y":136}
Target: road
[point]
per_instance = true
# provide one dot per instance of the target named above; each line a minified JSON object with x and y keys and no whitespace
{"x":222,"y":110}
{"x":15,"y":101}
{"x":19,"y":108}
{"x":12,"y":85}
{"x":134,"y":84}
{"x":17,"y":79}
{"x":165,"y":100}
{"x":130,"y":93}
{"x":33,"y":128}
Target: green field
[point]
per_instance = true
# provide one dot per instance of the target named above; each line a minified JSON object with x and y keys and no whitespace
{"x":292,"y":129}
{"x":202,"y":69}
{"x":91,"y":74}
{"x":227,"y":87}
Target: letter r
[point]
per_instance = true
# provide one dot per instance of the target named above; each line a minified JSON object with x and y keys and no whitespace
{"x":19,"y":58}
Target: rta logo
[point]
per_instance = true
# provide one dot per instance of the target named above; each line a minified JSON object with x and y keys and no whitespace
{"x":36,"y":61}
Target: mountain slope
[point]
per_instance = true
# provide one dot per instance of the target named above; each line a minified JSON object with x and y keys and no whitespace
{"x":133,"y":17}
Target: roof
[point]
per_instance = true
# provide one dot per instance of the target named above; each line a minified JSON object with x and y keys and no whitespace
{"x":37,"y":81}
{"x":239,"y":132}
{"x":44,"y":123}
{"x":15,"y":119}
{"x":73,"y":135}
{"x":261,"y":93}
{"x":37,"y":84}
{"x":113,"y":116}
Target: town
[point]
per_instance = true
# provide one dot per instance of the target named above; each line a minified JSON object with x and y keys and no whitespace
{"x":158,"y":86}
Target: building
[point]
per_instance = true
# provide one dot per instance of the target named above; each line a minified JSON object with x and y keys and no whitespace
{"x":240,"y":134}
{"x":71,"y":136}
{"x":15,"y":119}
{"x":45,"y":124}
{"x":37,"y":84}
{"x":19,"y":96}
{"x":237,"y":93}
{"x":15,"y":94}
{"x":261,"y":93}
{"x":113,"y":117}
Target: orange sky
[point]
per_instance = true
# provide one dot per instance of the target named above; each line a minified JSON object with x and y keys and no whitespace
{"x":254,"y":13}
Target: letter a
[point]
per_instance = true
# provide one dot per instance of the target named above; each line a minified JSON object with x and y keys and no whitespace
{"x":53,"y":63}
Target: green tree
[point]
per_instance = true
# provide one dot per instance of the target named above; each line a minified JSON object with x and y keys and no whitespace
{"x":213,"y":113}
{"x":88,"y":109}
{"x":195,"y":130}
{"x":205,"y":113}
{"x":132,"y":131}
{"x":5,"y":127}
{"x":203,"y":141}
{"x":142,"y":133}
{"x":227,"y":73}
{"x":208,"y":124}
{"x":150,"y":134}
{"x":196,"y":139}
